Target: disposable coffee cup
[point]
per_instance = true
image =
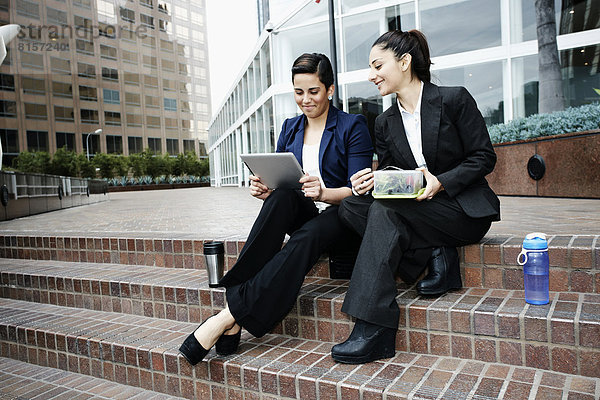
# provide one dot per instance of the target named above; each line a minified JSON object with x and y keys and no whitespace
{"x":214,"y":253}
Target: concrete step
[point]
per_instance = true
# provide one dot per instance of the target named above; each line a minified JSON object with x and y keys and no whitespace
{"x":483,"y":324}
{"x":141,"y":352}
{"x":575,"y":260}
{"x":20,"y":380}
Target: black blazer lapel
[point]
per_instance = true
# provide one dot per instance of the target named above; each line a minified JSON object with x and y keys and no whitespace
{"x":397,"y":136}
{"x":431,"y":111}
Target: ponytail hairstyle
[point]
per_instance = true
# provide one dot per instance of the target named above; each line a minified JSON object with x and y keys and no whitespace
{"x":310,"y":63}
{"x":412,"y":42}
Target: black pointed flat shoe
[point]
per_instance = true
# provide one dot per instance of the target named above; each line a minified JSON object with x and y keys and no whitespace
{"x":228,"y":344}
{"x":192,"y":350}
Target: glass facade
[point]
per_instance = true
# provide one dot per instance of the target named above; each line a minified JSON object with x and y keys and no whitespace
{"x":88,"y":64}
{"x":488,"y":46}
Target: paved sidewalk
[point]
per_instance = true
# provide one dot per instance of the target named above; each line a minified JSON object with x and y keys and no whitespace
{"x":228,"y":213}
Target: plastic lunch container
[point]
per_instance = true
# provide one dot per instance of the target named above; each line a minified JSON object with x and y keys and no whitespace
{"x":397,"y":184}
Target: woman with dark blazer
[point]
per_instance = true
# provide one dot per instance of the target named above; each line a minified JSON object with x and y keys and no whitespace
{"x":263,"y":285}
{"x":440,"y":131}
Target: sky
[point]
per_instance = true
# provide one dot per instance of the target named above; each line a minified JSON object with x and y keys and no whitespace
{"x":232,"y":32}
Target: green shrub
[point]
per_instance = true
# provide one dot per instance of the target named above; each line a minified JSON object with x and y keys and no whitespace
{"x":574,"y":119}
{"x":64,"y":163}
{"x":106,"y":165}
{"x":33,"y":162}
{"x":137,"y":165}
{"x":86,"y":167}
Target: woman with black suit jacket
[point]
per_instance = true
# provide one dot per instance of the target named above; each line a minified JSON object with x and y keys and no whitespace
{"x":440,"y":131}
{"x":263,"y":285}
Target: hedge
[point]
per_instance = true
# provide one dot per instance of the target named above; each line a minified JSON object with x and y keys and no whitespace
{"x":574,"y":119}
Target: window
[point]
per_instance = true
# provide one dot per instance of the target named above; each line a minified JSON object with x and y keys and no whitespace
{"x":4,"y":5}
{"x":152,"y":122}
{"x":56,"y":16}
{"x":106,"y":30}
{"x":170,"y":104}
{"x":127,"y":34}
{"x":35,"y":111}
{"x":114,"y":144}
{"x":172,"y":146}
{"x":112,"y":118}
{"x":149,"y":61}
{"x":167,"y":65}
{"x":60,"y":65}
{"x":111,"y":96}
{"x":154,"y":145}
{"x":132,"y":99}
{"x":89,"y":116}
{"x":32,"y":60}
{"x":469,"y":25}
{"x":152,"y":101}
{"x":189,"y":145}
{"x":10,"y":144}
{"x":32,"y":85}
{"x":84,"y":47}
{"x":88,"y":93}
{"x":106,"y":13}
{"x":183,"y":69}
{"x":132,"y":78}
{"x":183,"y":33}
{"x":134,"y":143}
{"x":64,"y":114}
{"x":197,"y":18}
{"x":165,"y":26}
{"x":87,"y":4}
{"x":147,"y":20}
{"x":108,"y":52}
{"x":185,"y":106}
{"x":110,"y":74}
{"x":7,"y":82}
{"x":170,"y":123}
{"x":127,"y":14}
{"x":8,"y":108}
{"x":186,"y":124}
{"x":61,"y":89}
{"x":166,"y":45}
{"x":146,"y":3}
{"x":169,"y":85}
{"x":86,"y":70}
{"x":134,"y":119}
{"x":37,"y":140}
{"x":149,"y":41}
{"x":150,"y":81}
{"x":93,"y":140}
{"x":82,"y":24}
{"x":28,"y":9}
{"x":65,"y":139}
{"x":164,"y":6}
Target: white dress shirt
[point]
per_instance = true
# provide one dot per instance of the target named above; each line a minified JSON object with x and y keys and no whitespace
{"x":412,"y":127}
{"x":310,"y":165}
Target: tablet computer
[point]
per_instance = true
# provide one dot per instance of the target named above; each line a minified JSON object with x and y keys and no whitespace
{"x":276,"y":170}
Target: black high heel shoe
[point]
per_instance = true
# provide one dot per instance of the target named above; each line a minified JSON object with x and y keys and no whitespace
{"x":228,"y":344}
{"x":191,"y":349}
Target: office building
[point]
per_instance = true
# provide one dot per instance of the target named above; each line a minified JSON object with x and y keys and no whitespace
{"x":488,"y":46}
{"x":137,"y":69}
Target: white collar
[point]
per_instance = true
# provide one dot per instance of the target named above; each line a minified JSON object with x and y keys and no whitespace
{"x":417,"y":108}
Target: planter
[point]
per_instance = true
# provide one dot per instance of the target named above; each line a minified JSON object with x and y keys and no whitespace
{"x":161,"y":186}
{"x":572,"y":166}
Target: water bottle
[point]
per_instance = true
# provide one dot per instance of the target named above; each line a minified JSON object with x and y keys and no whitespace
{"x":534,"y":259}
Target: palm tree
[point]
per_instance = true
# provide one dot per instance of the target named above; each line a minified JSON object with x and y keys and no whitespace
{"x":551,"y":96}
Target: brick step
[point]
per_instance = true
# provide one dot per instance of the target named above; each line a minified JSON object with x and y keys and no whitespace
{"x":20,"y":380}
{"x":141,"y":352}
{"x":484,"y":324}
{"x":575,"y":260}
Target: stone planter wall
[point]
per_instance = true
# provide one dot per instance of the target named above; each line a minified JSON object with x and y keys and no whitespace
{"x":572,"y":166}
{"x":161,"y":186}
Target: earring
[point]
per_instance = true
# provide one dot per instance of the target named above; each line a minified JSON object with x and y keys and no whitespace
{"x":330,"y":98}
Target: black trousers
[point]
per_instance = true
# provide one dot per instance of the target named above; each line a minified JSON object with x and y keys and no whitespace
{"x":264,"y":283}
{"x":398,"y":237}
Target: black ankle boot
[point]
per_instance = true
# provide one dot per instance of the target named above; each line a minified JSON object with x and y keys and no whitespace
{"x":444,"y":272}
{"x":367,"y":342}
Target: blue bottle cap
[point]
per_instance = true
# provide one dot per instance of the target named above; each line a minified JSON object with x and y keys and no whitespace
{"x":535,"y":241}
